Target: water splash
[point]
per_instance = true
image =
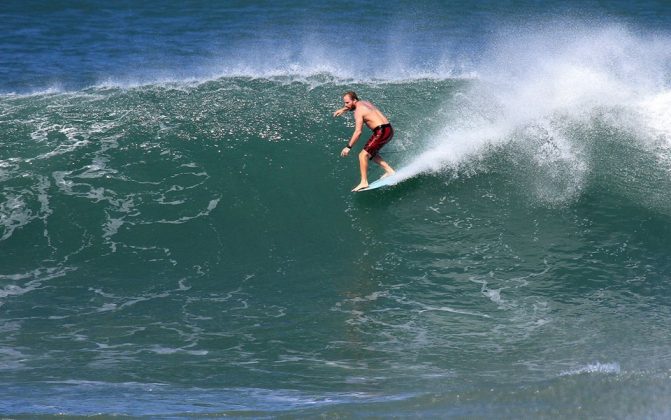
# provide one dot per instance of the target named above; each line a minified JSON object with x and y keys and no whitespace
{"x":541,"y":102}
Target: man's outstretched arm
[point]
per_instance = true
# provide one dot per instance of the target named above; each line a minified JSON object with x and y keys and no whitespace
{"x":340,"y":111}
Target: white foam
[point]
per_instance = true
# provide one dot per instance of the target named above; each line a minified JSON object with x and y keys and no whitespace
{"x":31,"y":280}
{"x":550,"y":78}
{"x":656,"y":110}
{"x":14,"y":214}
{"x":428,"y":308}
{"x":607,"y":368}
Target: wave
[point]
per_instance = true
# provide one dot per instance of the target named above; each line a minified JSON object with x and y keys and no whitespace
{"x":573,"y":112}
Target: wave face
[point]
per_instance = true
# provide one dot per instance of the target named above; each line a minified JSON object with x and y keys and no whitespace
{"x":179,"y":237}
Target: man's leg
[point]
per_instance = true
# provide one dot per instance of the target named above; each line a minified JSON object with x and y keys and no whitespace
{"x":388,"y":170}
{"x":363,"y":166}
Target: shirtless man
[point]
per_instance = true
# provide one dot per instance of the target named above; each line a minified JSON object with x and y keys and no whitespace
{"x":366,"y":112}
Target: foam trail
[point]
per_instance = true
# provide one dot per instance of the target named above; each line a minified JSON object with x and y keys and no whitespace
{"x":457,"y":147}
{"x":561,"y":77}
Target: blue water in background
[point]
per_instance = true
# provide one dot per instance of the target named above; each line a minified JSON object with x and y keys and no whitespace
{"x":71,"y":45}
{"x":178,"y":238}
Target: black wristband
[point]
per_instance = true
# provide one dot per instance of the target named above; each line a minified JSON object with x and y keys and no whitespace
{"x":348,"y":146}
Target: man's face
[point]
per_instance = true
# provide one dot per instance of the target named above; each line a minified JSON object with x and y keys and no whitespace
{"x":349,"y":103}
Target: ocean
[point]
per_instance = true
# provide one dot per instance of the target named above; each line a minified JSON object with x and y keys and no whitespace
{"x":178,"y":238}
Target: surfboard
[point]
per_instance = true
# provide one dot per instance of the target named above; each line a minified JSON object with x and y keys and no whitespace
{"x":382,"y":182}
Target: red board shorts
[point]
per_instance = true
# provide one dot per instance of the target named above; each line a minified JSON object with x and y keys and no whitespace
{"x":381,"y":136}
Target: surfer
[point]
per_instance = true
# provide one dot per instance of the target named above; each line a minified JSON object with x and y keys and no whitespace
{"x":366,"y":112}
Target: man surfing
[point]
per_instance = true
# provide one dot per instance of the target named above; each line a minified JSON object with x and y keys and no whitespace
{"x":366,"y":112}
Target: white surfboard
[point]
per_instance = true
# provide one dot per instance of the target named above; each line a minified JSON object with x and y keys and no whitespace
{"x":382,"y":182}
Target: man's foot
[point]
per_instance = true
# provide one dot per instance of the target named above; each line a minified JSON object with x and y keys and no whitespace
{"x":360,"y":187}
{"x":386,"y":174}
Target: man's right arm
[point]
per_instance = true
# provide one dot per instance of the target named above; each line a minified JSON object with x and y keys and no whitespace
{"x":340,"y":111}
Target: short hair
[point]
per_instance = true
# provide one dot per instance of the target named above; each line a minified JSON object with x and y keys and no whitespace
{"x":351,"y":94}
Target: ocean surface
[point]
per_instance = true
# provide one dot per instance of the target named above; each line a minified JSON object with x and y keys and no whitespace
{"x":178,"y":237}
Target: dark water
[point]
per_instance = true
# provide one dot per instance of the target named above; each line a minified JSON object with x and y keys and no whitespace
{"x":178,"y":237}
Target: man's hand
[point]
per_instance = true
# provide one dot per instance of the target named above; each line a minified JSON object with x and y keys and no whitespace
{"x":345,"y":152}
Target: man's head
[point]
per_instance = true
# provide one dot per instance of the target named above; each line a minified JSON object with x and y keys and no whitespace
{"x":350,"y":98}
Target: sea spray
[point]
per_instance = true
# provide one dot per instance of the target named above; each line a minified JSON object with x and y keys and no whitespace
{"x":541,"y":101}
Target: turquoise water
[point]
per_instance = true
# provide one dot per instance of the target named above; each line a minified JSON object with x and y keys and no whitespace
{"x":178,"y":237}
